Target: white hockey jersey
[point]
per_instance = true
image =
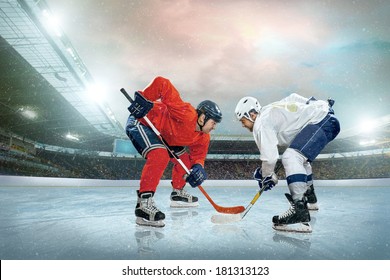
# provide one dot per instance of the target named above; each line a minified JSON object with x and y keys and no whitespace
{"x":279,"y":123}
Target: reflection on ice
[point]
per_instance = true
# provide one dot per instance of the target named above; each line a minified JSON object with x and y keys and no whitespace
{"x":146,"y":238}
{"x":294,"y":241}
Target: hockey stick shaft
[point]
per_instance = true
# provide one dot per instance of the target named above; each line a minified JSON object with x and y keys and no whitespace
{"x":257,"y":196}
{"x":221,"y":209}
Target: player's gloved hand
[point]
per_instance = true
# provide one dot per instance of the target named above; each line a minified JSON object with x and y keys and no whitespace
{"x":268,"y":182}
{"x":197,"y":175}
{"x":140,"y":107}
{"x":331,"y":103}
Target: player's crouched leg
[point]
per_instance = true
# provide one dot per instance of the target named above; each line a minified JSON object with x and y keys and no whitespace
{"x":180,"y":198}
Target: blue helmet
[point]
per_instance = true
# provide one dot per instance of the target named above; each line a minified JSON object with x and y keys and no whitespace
{"x":210,"y":110}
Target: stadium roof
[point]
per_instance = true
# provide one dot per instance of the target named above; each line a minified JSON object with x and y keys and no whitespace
{"x":45,"y":92}
{"x":45,"y":87}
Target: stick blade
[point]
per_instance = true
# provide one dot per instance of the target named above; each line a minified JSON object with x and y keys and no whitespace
{"x":221,"y":209}
{"x":230,"y":210}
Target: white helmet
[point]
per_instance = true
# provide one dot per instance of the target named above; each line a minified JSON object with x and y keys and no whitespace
{"x":245,"y":106}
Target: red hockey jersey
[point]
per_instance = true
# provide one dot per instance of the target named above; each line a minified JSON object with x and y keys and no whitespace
{"x":175,"y":119}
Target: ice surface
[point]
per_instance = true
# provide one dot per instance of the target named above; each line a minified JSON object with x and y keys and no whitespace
{"x":99,"y":223}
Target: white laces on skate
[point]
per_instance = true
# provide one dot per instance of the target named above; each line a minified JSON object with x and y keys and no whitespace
{"x":181,"y":198}
{"x":289,"y":212}
{"x":150,"y":207}
{"x":183,"y":193}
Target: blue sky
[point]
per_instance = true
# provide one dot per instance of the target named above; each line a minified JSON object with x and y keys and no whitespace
{"x":224,"y":50}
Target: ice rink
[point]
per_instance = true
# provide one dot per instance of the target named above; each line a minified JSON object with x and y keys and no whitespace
{"x":96,"y":223}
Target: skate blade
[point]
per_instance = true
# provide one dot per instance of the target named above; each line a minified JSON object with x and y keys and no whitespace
{"x":181,"y":204}
{"x":298,"y":227}
{"x":143,"y":222}
{"x":312,"y":207}
{"x":225,"y":218}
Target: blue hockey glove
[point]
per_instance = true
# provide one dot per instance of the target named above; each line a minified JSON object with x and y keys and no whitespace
{"x":268,"y":182}
{"x":140,"y":107}
{"x":197,"y":175}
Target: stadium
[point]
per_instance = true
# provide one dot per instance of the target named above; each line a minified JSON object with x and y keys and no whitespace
{"x":68,"y":172}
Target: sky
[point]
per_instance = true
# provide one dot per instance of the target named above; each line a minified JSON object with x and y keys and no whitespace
{"x":225,"y":50}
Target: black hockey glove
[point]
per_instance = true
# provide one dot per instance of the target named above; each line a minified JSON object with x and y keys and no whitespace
{"x":268,"y":182}
{"x":197,"y":175}
{"x":140,"y":107}
{"x":331,"y":103}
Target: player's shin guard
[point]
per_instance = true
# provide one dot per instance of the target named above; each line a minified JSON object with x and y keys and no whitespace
{"x":146,"y":211}
{"x":295,"y":219}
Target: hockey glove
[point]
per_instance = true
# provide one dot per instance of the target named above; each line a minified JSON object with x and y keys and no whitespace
{"x":140,"y":107}
{"x":331,"y":103}
{"x":268,"y":182}
{"x":197,"y":175}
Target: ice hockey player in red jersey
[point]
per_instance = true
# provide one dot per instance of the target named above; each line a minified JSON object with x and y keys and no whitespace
{"x":185,"y":129}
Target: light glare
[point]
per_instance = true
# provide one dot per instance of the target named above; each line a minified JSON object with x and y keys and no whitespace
{"x":72,"y":137}
{"x":28,"y":113}
{"x":52,"y":23}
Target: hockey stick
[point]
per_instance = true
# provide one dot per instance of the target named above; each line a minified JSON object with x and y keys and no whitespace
{"x":221,"y":209}
{"x":218,"y":219}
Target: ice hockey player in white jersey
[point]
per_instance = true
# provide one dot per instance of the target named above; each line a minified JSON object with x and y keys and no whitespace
{"x":303,"y":125}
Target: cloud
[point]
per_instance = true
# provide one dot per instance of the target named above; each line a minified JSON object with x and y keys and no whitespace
{"x":223,"y":50}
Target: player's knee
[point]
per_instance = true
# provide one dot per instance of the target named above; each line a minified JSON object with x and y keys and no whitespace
{"x":159,"y":80}
{"x":159,"y":156}
{"x":288,"y":156}
{"x":291,"y":159}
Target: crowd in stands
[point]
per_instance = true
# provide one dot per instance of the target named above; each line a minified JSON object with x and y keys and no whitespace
{"x":377,"y":166}
{"x":53,"y":164}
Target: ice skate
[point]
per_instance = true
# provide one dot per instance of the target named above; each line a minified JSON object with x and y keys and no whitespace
{"x":311,"y":199}
{"x":295,"y":219}
{"x":146,"y":211}
{"x":182,"y":199}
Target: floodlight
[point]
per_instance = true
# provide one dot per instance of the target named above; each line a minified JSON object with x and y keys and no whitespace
{"x":52,"y":23}
{"x":96,"y":92}
{"x":367,"y":142}
{"x":28,"y":113}
{"x":368,"y":126}
{"x":72,"y":137}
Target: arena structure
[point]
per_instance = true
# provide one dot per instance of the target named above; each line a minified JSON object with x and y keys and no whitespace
{"x":53,"y":124}
{"x":68,"y":172}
